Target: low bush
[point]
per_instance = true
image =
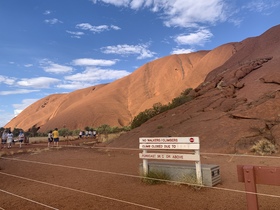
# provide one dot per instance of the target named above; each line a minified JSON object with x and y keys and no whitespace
{"x":156,"y":177}
{"x":264,"y":147}
{"x":190,"y":180}
{"x":158,"y":108}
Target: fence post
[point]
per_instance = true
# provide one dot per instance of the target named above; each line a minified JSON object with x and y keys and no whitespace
{"x":252,"y":175}
{"x":250,"y":186}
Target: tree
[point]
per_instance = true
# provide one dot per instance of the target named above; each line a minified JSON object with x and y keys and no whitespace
{"x":65,"y":132}
{"x":16,"y":131}
{"x":105,"y":129}
{"x":33,"y":130}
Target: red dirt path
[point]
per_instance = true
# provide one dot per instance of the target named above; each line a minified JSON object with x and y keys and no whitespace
{"x":102,"y":178}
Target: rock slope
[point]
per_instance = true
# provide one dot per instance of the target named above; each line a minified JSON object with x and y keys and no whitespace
{"x":236,"y":105}
{"x":117,"y":103}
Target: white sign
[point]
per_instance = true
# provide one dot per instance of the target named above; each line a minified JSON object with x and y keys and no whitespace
{"x":165,"y":156}
{"x":167,"y":140}
{"x":174,"y":143}
{"x":169,"y":146}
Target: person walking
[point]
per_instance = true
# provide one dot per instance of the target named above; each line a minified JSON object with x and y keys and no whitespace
{"x":10,"y":139}
{"x":3,"y":139}
{"x":81,"y":134}
{"x":20,"y":138}
{"x":50,"y":138}
{"x":55,"y":137}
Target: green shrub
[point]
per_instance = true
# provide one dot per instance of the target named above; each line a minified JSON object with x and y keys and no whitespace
{"x":156,"y":177}
{"x":191,"y":180}
{"x":158,"y":108}
{"x":159,"y":127}
{"x":179,"y":101}
{"x":75,"y":132}
{"x":104,"y":129}
{"x":115,"y":129}
{"x":65,"y":132}
{"x":126,"y":128}
{"x":142,"y":117}
{"x":186,"y":92}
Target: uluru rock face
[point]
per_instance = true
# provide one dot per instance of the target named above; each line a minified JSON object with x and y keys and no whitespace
{"x":236,"y":98}
{"x":236,"y":105}
{"x":117,"y":103}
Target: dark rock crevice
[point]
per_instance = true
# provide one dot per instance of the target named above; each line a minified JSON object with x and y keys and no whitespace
{"x":147,"y":77}
{"x":181,"y":66}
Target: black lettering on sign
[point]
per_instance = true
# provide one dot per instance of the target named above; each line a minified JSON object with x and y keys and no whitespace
{"x":178,"y":157}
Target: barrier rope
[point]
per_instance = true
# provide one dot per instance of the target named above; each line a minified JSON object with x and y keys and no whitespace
{"x":27,"y":199}
{"x":80,"y":191}
{"x":142,"y":177}
{"x":136,"y":149}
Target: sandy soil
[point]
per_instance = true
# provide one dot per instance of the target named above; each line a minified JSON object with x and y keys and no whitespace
{"x":83,"y":175}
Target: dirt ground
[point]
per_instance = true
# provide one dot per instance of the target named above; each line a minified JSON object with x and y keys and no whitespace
{"x":83,"y":175}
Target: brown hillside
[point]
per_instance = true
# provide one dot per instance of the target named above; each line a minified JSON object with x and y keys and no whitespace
{"x":237,"y":105}
{"x":117,"y":103}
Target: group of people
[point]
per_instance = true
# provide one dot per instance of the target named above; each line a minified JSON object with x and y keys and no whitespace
{"x":53,"y":136}
{"x":87,"y":134}
{"x":7,"y":138}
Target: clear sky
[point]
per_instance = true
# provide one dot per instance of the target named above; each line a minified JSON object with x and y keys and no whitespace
{"x":58,"y":46}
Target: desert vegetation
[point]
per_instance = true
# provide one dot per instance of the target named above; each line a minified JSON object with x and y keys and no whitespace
{"x":264,"y":147}
{"x":158,"y":108}
{"x":155,"y":177}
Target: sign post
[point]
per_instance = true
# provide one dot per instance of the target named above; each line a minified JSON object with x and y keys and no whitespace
{"x":198,"y":168}
{"x":171,"y":143}
{"x":145,"y":164}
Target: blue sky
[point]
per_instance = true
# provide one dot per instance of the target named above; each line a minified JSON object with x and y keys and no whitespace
{"x":58,"y":46}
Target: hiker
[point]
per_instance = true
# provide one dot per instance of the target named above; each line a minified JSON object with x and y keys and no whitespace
{"x":90,"y":134}
{"x":10,"y":138}
{"x":55,"y":135}
{"x":50,"y":138}
{"x":20,"y":138}
{"x":3,"y":139}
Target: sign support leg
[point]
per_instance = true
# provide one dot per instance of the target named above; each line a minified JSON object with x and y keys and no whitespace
{"x":145,"y":164}
{"x":198,"y":169}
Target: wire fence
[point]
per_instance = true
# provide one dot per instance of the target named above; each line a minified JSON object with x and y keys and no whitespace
{"x":122,"y":174}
